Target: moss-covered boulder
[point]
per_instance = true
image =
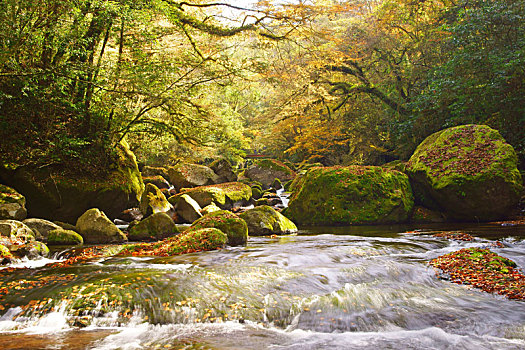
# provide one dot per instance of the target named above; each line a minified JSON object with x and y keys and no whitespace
{"x":55,"y":193}
{"x":64,"y":237}
{"x":210,"y":209}
{"x":187,"y":175}
{"x":153,"y":201}
{"x":32,"y":250}
{"x":225,"y":195}
{"x":232,"y":225}
{"x":224,"y":170}
{"x":156,"y":180}
{"x":12,"y":204}
{"x":154,"y":227}
{"x":187,"y":242}
{"x":95,"y":227}
{"x":265,"y":220}
{"x":351,"y":195}
{"x":257,"y":192}
{"x":266,"y":171}
{"x":41,"y":227}
{"x":469,"y":172}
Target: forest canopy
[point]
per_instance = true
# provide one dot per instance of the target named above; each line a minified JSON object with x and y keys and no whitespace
{"x":336,"y":82}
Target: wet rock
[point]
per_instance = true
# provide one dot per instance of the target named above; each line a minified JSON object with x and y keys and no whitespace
{"x":265,"y":220}
{"x":5,"y":255}
{"x":64,"y":237}
{"x":422,"y":215}
{"x":41,"y":227}
{"x":157,"y":180}
{"x":225,"y":196}
{"x":232,"y":225}
{"x":154,"y":227}
{"x":351,"y":195}
{"x":95,"y":227}
{"x":130,"y":215}
{"x":150,"y":171}
{"x":468,"y":172}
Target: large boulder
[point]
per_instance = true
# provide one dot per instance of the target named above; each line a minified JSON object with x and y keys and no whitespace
{"x":154,"y":227}
{"x":95,"y":227}
{"x":153,"y":201}
{"x":188,"y":209}
{"x":224,"y":170}
{"x":12,"y":204}
{"x":56,"y":194}
{"x":351,"y":195}
{"x":64,"y":237}
{"x":191,"y":175}
{"x":41,"y":227}
{"x":14,"y":229}
{"x":265,"y":220}
{"x":232,"y":225}
{"x":266,"y":171}
{"x":469,"y":172}
{"x":225,"y":195}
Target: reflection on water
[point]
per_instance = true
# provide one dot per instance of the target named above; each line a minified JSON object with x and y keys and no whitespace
{"x":326,"y":288}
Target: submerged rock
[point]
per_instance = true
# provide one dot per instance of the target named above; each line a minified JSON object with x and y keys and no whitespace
{"x":265,"y":220}
{"x":12,"y":204}
{"x":351,"y":195}
{"x":191,"y":175}
{"x":266,"y":171}
{"x":469,"y":172}
{"x":64,"y":237}
{"x":95,"y":227}
{"x":232,"y":225}
{"x":154,"y":227}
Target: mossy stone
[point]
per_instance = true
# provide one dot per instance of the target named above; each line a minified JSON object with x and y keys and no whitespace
{"x":95,"y":227}
{"x":266,"y":171}
{"x":153,"y":201}
{"x":232,"y":225}
{"x":469,"y":172}
{"x":5,"y":255}
{"x":351,"y":195}
{"x":64,"y":237}
{"x":12,"y":204}
{"x":156,"y":180}
{"x":55,"y":194}
{"x":41,"y":227}
{"x":187,"y":175}
{"x":224,"y":195}
{"x":154,"y":227}
{"x":265,"y":220}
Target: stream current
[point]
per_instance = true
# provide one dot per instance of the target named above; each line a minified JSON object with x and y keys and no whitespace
{"x":325,"y":288}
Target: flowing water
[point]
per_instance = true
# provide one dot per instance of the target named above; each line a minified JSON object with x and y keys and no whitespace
{"x":325,"y":288}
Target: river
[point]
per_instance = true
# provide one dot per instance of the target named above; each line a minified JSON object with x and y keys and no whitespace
{"x":325,"y":288}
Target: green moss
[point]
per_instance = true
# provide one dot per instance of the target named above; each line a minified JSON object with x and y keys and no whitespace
{"x":153,"y":201}
{"x":468,"y":171}
{"x":264,"y":220}
{"x":351,"y":195}
{"x":235,"y":228}
{"x":9,"y":195}
{"x":154,"y":227}
{"x":64,"y":237}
